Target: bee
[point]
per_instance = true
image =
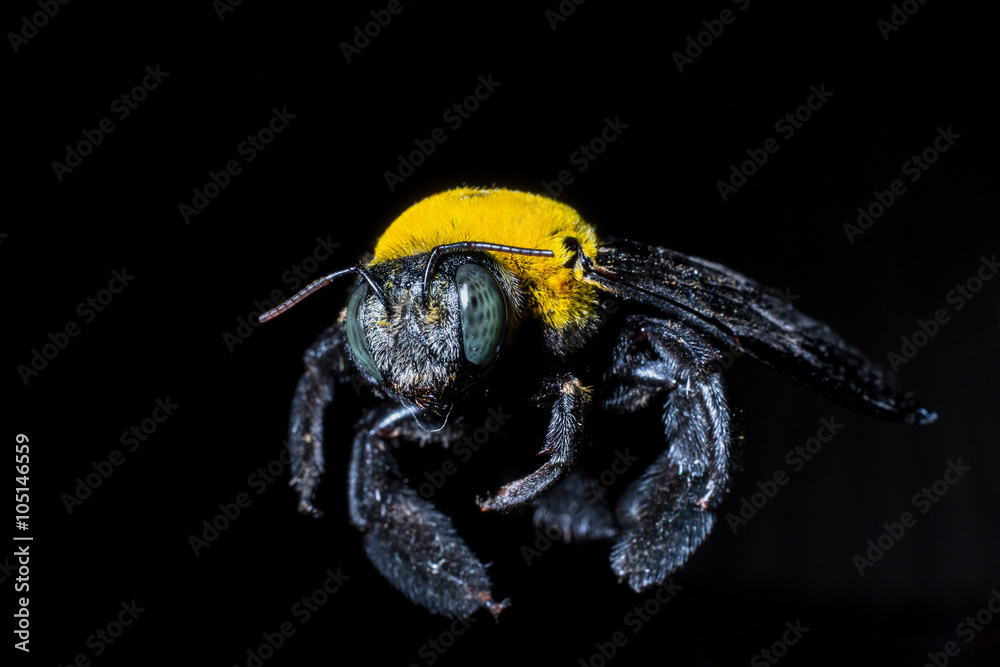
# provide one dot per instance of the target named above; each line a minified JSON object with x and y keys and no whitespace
{"x":465,"y":281}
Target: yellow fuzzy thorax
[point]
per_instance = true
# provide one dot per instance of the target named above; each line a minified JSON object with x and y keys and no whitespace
{"x":556,"y":293}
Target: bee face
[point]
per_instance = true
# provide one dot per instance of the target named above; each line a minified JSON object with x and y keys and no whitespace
{"x":428,"y":349}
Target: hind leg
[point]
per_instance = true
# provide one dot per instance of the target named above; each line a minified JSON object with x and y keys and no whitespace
{"x":667,"y":512}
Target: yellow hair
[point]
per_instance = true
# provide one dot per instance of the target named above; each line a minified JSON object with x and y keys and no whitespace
{"x":556,"y":294}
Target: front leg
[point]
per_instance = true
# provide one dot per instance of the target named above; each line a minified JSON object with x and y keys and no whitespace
{"x":407,"y":539}
{"x":563,"y":438}
{"x":325,"y":363}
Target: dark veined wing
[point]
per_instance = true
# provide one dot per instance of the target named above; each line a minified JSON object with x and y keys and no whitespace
{"x":758,"y":321}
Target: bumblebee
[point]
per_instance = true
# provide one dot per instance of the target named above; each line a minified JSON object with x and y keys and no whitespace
{"x":467,"y":277}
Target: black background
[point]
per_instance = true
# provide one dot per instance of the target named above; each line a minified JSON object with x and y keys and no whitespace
{"x":323,"y":176}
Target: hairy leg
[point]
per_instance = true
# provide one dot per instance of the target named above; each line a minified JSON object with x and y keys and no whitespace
{"x":325,"y":364}
{"x":563,"y":438}
{"x":666,"y":513}
{"x":409,"y":541}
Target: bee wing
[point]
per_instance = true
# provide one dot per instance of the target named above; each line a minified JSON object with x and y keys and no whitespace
{"x":746,"y":317}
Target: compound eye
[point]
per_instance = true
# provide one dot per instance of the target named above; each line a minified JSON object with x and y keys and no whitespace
{"x":356,"y":336}
{"x":483,"y":313}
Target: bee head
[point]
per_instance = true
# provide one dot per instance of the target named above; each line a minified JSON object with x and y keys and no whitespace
{"x":426,"y":327}
{"x":424,"y":330}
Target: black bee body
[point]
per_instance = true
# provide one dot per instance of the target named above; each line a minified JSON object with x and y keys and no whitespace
{"x":505,"y":295}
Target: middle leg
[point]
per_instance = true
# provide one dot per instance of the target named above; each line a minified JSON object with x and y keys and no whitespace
{"x":562,"y":440}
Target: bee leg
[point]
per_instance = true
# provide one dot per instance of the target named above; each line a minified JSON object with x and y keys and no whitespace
{"x":562,"y":440}
{"x":577,"y":510}
{"x":324,"y":362}
{"x":667,"y":512}
{"x":410,"y":542}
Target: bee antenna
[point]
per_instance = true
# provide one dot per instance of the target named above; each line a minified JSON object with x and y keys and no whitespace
{"x":323,"y":282}
{"x":474,"y":245}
